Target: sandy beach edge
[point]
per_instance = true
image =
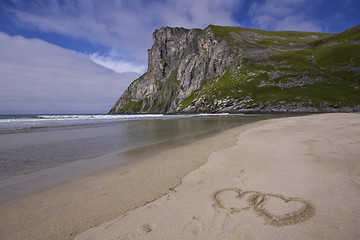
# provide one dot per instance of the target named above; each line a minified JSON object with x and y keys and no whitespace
{"x":291,"y":178}
{"x":64,"y":211}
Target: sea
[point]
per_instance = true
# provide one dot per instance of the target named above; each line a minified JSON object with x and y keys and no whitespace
{"x":39,"y":148}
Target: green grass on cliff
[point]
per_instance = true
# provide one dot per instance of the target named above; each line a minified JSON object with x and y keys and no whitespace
{"x":251,"y":81}
{"x":329,"y":69}
{"x":338,"y":56}
{"x":350,"y":35}
{"x":224,"y":33}
{"x":267,"y":38}
{"x":298,"y":61}
{"x":133,"y":106}
{"x":236,"y":87}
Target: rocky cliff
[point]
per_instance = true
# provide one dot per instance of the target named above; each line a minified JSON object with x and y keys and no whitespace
{"x":232,"y":69}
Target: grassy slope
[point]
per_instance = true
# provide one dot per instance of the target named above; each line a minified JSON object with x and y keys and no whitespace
{"x":324,"y":69}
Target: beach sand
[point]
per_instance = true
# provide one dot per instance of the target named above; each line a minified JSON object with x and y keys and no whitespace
{"x":289,"y":178}
{"x":292,"y":178}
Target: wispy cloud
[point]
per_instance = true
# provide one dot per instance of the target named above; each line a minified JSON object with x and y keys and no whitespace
{"x":200,"y":13}
{"x":123,"y":25}
{"x":117,"y":64}
{"x":40,"y":77}
{"x":284,"y":15}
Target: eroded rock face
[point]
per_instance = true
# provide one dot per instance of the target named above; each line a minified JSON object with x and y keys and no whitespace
{"x":179,"y":61}
{"x":220,"y":69}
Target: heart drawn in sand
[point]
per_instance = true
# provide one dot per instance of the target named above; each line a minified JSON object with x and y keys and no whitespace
{"x":276,"y":209}
{"x":236,"y":200}
{"x":279,"y":206}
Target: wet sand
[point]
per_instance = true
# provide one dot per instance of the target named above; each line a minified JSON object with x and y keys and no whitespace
{"x":292,"y":178}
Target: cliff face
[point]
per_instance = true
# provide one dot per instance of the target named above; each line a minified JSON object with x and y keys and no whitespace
{"x":179,"y":62}
{"x":229,"y":69}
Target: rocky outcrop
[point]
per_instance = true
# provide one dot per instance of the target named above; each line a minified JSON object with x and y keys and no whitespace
{"x":179,"y":62}
{"x":226,"y":69}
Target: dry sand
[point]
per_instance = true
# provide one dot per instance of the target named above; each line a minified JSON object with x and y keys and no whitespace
{"x":293,"y":178}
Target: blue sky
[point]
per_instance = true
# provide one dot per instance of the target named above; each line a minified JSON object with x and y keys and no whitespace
{"x":40,"y":38}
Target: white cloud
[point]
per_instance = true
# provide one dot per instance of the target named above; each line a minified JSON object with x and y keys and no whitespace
{"x":123,"y":25}
{"x":279,"y":8}
{"x":38,"y":77}
{"x":200,"y":13}
{"x":285,"y":15}
{"x":298,"y":23}
{"x":116,"y":64}
{"x":98,"y":22}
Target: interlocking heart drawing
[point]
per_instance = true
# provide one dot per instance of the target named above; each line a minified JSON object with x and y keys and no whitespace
{"x":276,"y":209}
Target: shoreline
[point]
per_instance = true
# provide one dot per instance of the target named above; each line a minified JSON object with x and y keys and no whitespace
{"x":26,"y":184}
{"x":291,"y":178}
{"x":65,"y":210}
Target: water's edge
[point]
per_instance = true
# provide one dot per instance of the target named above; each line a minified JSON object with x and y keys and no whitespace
{"x":47,"y":178}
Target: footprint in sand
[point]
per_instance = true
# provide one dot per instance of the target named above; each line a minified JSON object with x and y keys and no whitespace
{"x":193,"y":228}
{"x":276,"y":209}
{"x":145,"y":229}
{"x":171,"y":195}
